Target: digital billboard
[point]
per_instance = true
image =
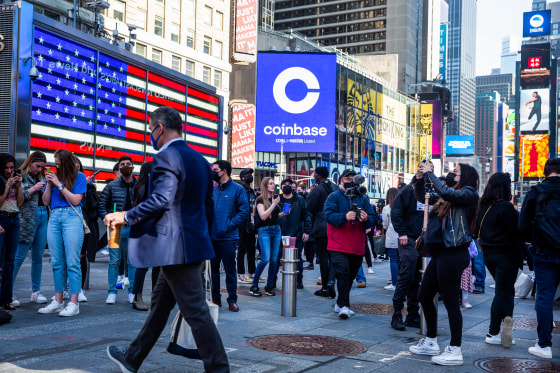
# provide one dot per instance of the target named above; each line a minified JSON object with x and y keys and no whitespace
{"x":459,"y":145}
{"x":296,"y":102}
{"x":242,"y":136}
{"x":508,"y":134}
{"x":534,"y":109}
{"x":443,"y":50}
{"x":535,"y":65}
{"x":96,"y":106}
{"x":536,"y":23}
{"x":246,"y":21}
{"x":534,"y":154}
{"x":425,"y":129}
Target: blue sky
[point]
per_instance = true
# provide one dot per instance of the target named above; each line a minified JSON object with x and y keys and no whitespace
{"x":496,"y":19}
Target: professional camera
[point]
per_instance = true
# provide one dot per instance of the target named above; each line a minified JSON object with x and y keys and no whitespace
{"x":355,"y":192}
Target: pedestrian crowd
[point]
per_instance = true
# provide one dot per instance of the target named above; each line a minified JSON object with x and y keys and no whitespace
{"x":440,"y":224}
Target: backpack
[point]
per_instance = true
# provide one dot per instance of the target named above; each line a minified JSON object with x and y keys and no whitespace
{"x":546,"y":228}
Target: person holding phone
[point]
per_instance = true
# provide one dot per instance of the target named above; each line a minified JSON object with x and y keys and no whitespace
{"x":266,"y":220}
{"x":11,"y":198}
{"x":34,"y":218}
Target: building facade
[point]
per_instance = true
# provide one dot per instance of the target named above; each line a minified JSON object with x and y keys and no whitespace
{"x":461,"y":65}
{"x":486,"y":136}
{"x":501,"y":83}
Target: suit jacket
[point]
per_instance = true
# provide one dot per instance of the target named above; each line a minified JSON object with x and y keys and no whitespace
{"x":172,"y":225}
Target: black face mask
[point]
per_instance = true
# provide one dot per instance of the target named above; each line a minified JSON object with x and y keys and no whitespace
{"x":349,"y":185}
{"x":249,"y":179}
{"x":287,"y":189}
{"x":450,"y":179}
{"x":216,"y":176}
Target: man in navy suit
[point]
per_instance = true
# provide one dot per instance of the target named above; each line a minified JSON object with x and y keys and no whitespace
{"x":171,"y":229}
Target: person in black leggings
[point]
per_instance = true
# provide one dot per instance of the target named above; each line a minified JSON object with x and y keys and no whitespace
{"x":447,"y":240}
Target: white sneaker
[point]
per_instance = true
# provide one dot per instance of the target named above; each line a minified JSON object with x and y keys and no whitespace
{"x":126,"y":282}
{"x":37,"y":297}
{"x":451,"y":355}
{"x":495,"y":339}
{"x":65,"y":296}
{"x":103,"y":252}
{"x":111,"y":298}
{"x":493,"y":286}
{"x":81,"y":296}
{"x":130,"y":298}
{"x":344,"y":313}
{"x":389,"y":287}
{"x":544,"y":352}
{"x":370,"y":271}
{"x":467,"y":305}
{"x":15,"y":302}
{"x":425,"y":346}
{"x":53,"y":307}
{"x":241,"y":279}
{"x":71,"y":309}
{"x":338,"y":309}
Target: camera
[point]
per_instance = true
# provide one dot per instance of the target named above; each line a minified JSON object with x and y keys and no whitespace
{"x":355,"y":192}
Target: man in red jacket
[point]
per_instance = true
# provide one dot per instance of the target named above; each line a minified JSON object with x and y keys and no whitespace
{"x":348,"y":213}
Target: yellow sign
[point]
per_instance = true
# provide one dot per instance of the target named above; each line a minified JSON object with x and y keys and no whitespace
{"x":425,"y":130}
{"x":361,"y":107}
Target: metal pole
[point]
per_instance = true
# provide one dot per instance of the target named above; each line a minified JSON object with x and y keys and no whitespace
{"x":74,"y":14}
{"x":289,"y":277}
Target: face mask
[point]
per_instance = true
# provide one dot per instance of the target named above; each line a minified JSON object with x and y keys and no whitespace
{"x":155,"y":141}
{"x":450,"y":179}
{"x":216,"y":176}
{"x":126,"y":170}
{"x":287,"y":189}
{"x":249,"y":179}
{"x":349,"y":185}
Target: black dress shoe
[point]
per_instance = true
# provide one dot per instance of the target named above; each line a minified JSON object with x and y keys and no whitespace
{"x":5,"y":317}
{"x":330,"y":289}
{"x":397,"y":322}
{"x":322,"y":293}
{"x":8,"y":307}
{"x":299,"y":285}
{"x":413,"y":322}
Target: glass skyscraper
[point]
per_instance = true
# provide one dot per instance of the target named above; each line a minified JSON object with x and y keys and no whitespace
{"x":461,"y":66}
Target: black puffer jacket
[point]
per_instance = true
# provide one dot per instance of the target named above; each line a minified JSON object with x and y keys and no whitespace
{"x":115,"y":192}
{"x":456,"y":227}
{"x":315,"y":205}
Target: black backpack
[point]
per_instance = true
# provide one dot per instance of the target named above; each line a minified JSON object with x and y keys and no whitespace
{"x":546,"y":228}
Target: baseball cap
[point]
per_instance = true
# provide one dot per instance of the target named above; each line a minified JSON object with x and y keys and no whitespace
{"x":246,"y":171}
{"x":348,"y":172}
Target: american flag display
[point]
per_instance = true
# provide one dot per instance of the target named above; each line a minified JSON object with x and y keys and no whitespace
{"x":96,"y":106}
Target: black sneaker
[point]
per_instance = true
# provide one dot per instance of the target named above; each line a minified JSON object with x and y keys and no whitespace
{"x":269,"y":291}
{"x":322,"y":293}
{"x":413,"y":322}
{"x":330,"y":289}
{"x":117,"y":357}
{"x":397,"y":322}
{"x":299,"y":285}
{"x":254,"y":291}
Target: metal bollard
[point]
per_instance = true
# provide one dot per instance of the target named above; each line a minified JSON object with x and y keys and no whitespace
{"x":289,"y":277}
{"x":423,"y":327}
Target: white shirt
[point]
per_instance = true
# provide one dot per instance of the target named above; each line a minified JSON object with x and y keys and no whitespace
{"x":169,"y":143}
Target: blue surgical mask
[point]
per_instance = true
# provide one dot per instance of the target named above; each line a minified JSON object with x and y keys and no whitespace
{"x":155,"y":141}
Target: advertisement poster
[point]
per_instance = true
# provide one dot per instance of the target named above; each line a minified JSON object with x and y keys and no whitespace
{"x":534,"y":110}
{"x":242,"y":136}
{"x":534,"y":154}
{"x":296,"y":102}
{"x":436,"y":127}
{"x":535,"y":66}
{"x":425,"y":129}
{"x":246,"y":16}
{"x":509,"y":134}
{"x":459,"y":145}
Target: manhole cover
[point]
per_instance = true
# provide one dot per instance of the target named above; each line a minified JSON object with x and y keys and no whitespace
{"x":524,"y":323}
{"x":374,"y":309}
{"x":307,"y":345}
{"x":517,"y":366}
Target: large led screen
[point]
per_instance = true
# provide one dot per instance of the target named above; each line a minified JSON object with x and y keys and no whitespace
{"x":96,"y":106}
{"x":534,"y":154}
{"x":296,"y":104}
{"x":534,"y":110}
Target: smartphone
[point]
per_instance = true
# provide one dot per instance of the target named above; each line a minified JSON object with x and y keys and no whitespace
{"x":17,"y":171}
{"x":275,"y":196}
{"x":48,"y":169}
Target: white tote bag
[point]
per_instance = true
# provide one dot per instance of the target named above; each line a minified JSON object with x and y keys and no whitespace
{"x":182,"y":341}
{"x":524,"y":284}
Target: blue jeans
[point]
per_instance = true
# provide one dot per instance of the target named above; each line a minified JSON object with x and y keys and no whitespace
{"x":114,"y":260}
{"x":394,"y":260}
{"x":225,"y":253}
{"x":269,"y":243}
{"x":479,"y":269}
{"x":547,"y":277}
{"x":360,"y":276}
{"x":8,"y":247}
{"x":37,"y":245}
{"x":65,"y":235}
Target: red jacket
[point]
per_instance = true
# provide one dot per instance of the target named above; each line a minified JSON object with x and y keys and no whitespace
{"x":347,"y":238}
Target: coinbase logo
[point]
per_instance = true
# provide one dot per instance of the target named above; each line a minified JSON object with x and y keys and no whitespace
{"x":279,"y":90}
{"x":536,"y":21}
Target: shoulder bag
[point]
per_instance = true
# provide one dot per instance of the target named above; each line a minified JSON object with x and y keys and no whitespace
{"x":86,"y":228}
{"x":420,"y":245}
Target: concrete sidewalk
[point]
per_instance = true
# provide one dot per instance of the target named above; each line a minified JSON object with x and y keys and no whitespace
{"x":49,"y":343}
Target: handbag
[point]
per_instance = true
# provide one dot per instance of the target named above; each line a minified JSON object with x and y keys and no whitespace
{"x":420,"y":244}
{"x":86,"y":228}
{"x":182,"y":340}
{"x":524,"y":284}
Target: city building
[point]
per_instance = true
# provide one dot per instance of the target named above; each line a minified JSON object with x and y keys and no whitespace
{"x":486,"y":135}
{"x":364,"y":27}
{"x":501,"y":83}
{"x":461,"y":61}
{"x":431,"y":40}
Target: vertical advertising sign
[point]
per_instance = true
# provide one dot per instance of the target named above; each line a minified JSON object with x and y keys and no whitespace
{"x":425,"y":130}
{"x":246,"y":20}
{"x":509,"y":135}
{"x":534,"y":110}
{"x":533,"y":154}
{"x":443,"y":50}
{"x":436,"y":127}
{"x":296,"y":102}
{"x":242,"y":136}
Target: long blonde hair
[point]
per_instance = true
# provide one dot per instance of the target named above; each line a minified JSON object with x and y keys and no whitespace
{"x":265,"y":194}
{"x":36,"y":156}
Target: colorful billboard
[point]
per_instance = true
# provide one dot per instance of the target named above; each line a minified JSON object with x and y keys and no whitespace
{"x":533,"y":154}
{"x":459,"y":145}
{"x":296,"y":102}
{"x":509,"y":134}
{"x":535,"y":66}
{"x":361,"y":109}
{"x":246,"y":20}
{"x":536,"y":23}
{"x":425,"y":129}
{"x":242,"y":136}
{"x":534,"y":109}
